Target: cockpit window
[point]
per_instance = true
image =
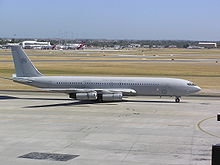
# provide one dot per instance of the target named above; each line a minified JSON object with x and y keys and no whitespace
{"x":191,"y":84}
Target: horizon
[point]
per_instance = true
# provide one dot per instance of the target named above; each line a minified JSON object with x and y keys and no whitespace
{"x":29,"y":38}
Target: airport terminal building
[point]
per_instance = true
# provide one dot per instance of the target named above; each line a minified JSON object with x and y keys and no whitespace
{"x":208,"y":44}
{"x":35,"y":45}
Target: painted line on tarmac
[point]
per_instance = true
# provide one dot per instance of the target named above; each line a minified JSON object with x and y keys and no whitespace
{"x":203,"y":130}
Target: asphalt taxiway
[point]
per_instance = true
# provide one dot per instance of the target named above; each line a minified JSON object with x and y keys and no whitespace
{"x":139,"y":130}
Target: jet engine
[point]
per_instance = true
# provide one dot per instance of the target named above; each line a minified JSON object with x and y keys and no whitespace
{"x":84,"y":96}
{"x":112,"y":97}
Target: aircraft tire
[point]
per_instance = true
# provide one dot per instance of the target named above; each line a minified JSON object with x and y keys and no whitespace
{"x":177,"y":100}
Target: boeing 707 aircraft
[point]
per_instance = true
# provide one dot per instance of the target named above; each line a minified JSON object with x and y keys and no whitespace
{"x":98,"y":88}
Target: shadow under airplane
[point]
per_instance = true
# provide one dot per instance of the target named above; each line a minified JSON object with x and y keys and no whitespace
{"x":80,"y":102}
{"x":97,"y":103}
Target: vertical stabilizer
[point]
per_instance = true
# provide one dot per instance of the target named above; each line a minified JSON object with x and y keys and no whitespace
{"x":23,"y":65}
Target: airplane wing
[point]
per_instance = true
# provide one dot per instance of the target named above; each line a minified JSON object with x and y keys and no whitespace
{"x":6,"y":78}
{"x":99,"y":91}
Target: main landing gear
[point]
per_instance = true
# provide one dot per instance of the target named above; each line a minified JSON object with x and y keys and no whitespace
{"x":177,"y":100}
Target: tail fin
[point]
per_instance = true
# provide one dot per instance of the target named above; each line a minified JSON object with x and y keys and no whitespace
{"x":23,"y":65}
{"x":81,"y":46}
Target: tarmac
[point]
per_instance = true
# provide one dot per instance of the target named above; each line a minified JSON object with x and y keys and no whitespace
{"x":47,"y":128}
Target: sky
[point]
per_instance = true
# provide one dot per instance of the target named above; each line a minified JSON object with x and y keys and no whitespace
{"x":111,"y":19}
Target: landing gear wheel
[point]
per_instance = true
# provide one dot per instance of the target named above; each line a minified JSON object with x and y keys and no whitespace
{"x":177,"y":100}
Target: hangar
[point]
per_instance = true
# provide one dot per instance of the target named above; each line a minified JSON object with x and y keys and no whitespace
{"x":208,"y":44}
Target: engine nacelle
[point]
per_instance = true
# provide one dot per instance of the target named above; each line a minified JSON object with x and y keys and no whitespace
{"x":84,"y":96}
{"x":112,"y":97}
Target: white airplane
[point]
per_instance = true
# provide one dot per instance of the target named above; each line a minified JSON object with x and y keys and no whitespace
{"x":70,"y":46}
{"x":98,"y":88}
{"x":76,"y":46}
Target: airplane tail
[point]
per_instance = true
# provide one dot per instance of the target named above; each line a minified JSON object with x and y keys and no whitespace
{"x":81,"y":45}
{"x":23,"y":65}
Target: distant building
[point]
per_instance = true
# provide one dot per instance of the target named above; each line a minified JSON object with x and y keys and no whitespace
{"x":117,"y":47}
{"x":8,"y":45}
{"x":12,"y":44}
{"x":35,"y":45}
{"x":146,"y":46}
{"x":208,"y":44}
{"x":134,"y":45}
{"x":158,"y":46}
{"x":172,"y":46}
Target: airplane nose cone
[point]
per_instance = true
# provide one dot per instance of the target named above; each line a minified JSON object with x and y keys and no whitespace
{"x":197,"y":89}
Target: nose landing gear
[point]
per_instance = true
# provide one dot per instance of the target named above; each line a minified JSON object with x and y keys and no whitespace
{"x":177,"y":100}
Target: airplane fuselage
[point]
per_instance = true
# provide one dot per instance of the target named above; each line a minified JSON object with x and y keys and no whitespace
{"x":142,"y":86}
